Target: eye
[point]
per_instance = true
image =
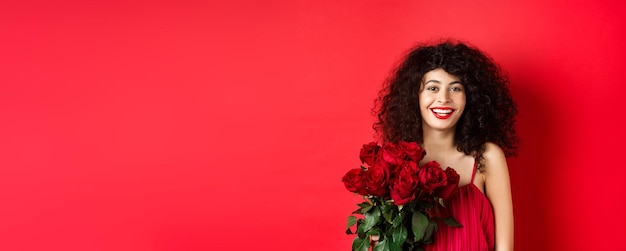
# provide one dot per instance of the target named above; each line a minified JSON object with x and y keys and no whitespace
{"x":456,"y":89}
{"x":432,"y":88}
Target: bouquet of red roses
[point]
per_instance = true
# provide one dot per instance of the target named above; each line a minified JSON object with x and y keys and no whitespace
{"x":402,"y":200}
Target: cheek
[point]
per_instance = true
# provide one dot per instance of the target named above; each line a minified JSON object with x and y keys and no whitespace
{"x":423,"y":105}
{"x":425,"y":101}
{"x":461,"y":100}
{"x":462,"y":109}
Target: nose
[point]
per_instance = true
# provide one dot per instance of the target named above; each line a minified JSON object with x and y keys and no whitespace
{"x":443,"y":97}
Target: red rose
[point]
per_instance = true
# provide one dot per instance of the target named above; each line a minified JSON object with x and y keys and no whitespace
{"x":431,"y":177}
{"x":412,"y":150}
{"x":368,"y":153}
{"x":452,"y":184}
{"x":353,"y":180}
{"x":391,"y":154}
{"x":404,"y":186}
{"x":376,"y":180}
{"x":406,"y":164}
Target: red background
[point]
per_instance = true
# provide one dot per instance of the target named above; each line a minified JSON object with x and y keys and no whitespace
{"x":192,"y":125}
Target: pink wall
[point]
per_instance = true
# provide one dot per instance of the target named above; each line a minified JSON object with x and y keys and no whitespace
{"x":187,"y":125}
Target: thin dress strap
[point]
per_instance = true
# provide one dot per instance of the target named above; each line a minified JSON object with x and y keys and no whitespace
{"x":474,"y":169}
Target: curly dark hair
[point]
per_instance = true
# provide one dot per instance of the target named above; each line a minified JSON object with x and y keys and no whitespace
{"x":489,"y":114}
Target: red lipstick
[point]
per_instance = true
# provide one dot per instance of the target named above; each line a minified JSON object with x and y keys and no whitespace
{"x":442,"y":112}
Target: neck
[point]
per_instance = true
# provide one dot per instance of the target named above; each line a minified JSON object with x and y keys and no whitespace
{"x":438,"y":141}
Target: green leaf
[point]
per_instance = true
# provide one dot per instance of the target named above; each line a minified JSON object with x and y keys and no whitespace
{"x":366,"y":209}
{"x":419,"y":222}
{"x":430,"y":229}
{"x":363,"y":207}
{"x":358,"y":211}
{"x":351,"y":222}
{"x":372,"y":217}
{"x":383,"y":206}
{"x":360,"y":230}
{"x":364,"y":204}
{"x":398,"y":236}
{"x":397,"y":221}
{"x":382,"y":246}
{"x":373,"y":231}
{"x":388,"y":214}
{"x":361,"y":244}
{"x":395,"y":248}
{"x":450,"y":221}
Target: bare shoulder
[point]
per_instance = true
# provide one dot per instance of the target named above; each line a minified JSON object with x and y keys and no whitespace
{"x":498,"y":191}
{"x":493,"y":150}
{"x":495,"y":172}
{"x":493,"y":158}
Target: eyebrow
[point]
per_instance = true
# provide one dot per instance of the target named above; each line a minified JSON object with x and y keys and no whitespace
{"x":438,"y":82}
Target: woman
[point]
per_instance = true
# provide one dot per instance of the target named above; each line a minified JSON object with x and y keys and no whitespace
{"x":453,"y":100}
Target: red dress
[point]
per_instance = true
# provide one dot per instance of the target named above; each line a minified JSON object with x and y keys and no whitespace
{"x":470,"y":207}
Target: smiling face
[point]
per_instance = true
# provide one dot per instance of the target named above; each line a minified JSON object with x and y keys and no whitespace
{"x":441,"y":100}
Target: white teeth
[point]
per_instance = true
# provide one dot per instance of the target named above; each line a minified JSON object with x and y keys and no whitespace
{"x":442,"y":111}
